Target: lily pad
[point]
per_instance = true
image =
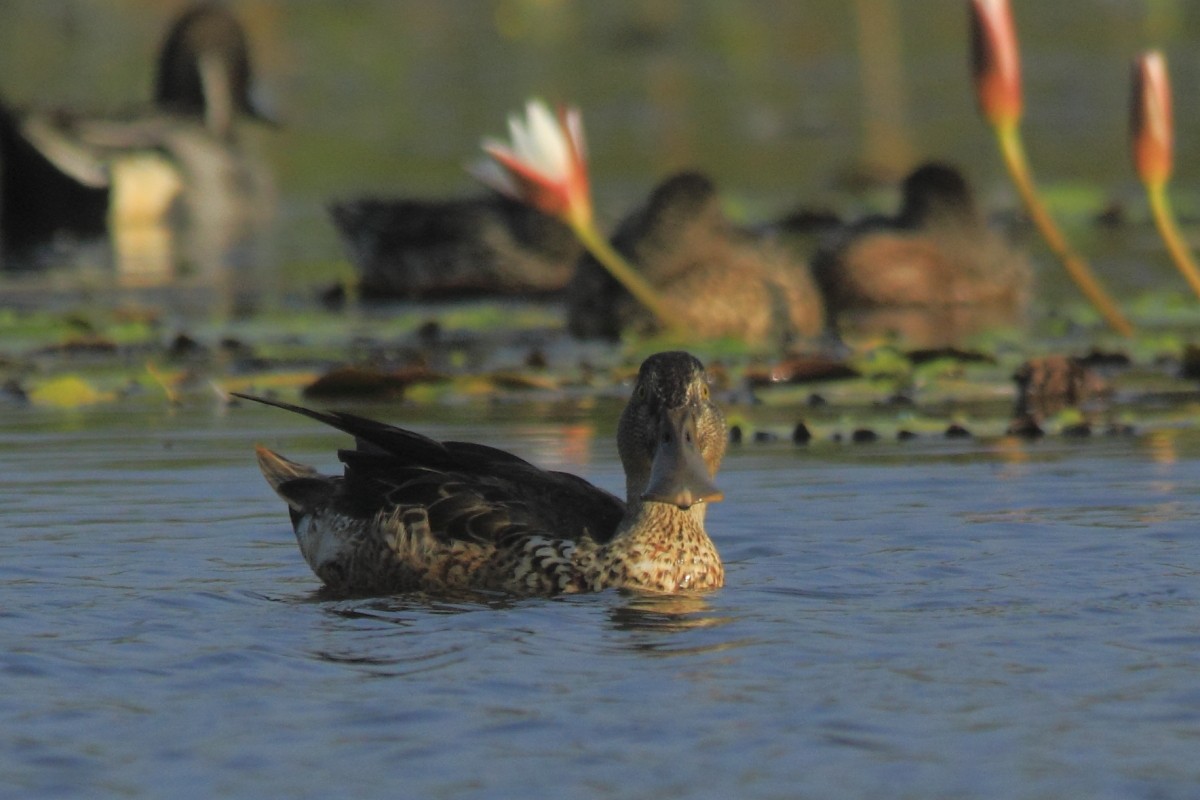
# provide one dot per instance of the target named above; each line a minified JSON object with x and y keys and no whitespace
{"x":68,"y":391}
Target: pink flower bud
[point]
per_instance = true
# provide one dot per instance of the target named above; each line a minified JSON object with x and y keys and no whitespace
{"x":1150,"y":125}
{"x":995,"y":62}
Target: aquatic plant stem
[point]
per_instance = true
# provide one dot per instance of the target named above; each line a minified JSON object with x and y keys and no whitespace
{"x":1164,"y":219}
{"x":620,"y":269}
{"x":1009,"y":138}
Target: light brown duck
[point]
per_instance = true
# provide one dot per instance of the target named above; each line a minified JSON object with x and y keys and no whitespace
{"x":934,"y":272}
{"x":721,"y":281}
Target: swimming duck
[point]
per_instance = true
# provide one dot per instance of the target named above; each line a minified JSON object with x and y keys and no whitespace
{"x":933,"y":272}
{"x":719,"y":279}
{"x":410,"y":248}
{"x":67,"y":174}
{"x":411,"y":513}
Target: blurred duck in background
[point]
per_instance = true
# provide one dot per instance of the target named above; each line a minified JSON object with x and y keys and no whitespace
{"x":66,"y":177}
{"x":720,"y":280}
{"x":430,"y":249}
{"x":932,"y":274}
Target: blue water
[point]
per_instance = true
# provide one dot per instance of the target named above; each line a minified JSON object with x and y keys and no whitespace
{"x":924,"y":620}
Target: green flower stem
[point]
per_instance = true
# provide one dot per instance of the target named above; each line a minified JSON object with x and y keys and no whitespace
{"x":620,"y":269}
{"x":1164,"y":218}
{"x":1009,"y":138}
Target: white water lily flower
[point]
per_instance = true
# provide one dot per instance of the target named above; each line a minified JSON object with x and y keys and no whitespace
{"x":545,"y":164}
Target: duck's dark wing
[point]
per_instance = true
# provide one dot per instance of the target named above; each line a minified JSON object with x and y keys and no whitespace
{"x":470,"y":491}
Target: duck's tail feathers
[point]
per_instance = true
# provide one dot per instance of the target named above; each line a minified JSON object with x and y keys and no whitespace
{"x":301,"y":486}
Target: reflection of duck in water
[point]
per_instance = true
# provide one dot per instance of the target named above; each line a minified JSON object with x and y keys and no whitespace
{"x":721,"y":281}
{"x":452,"y":248}
{"x":69,"y":176}
{"x":411,"y":513}
{"x":932,"y":273}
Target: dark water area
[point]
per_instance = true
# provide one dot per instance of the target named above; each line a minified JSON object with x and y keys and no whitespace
{"x":927,"y":619}
{"x":977,"y":617}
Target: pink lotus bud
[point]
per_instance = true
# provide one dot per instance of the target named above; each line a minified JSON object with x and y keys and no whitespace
{"x":995,"y":62}
{"x":1150,"y":125}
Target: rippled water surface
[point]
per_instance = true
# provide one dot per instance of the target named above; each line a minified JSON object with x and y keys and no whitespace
{"x":928,"y":619}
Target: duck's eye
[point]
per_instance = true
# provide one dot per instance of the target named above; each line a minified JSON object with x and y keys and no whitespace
{"x":704,"y":391}
{"x":640,"y":392}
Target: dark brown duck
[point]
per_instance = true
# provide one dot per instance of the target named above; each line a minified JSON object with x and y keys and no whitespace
{"x":438,"y":249}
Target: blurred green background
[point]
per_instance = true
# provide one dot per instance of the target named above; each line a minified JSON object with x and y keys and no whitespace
{"x":783,"y":102}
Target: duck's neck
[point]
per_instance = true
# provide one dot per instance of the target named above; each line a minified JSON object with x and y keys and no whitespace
{"x":645,"y":514}
{"x":660,"y":547}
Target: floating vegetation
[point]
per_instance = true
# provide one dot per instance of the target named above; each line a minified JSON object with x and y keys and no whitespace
{"x":498,"y":352}
{"x":68,"y":391}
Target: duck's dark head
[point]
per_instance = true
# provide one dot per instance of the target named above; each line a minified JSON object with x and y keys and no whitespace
{"x":935,"y":190}
{"x":684,"y":193}
{"x":672,"y":436}
{"x":204,"y":68}
{"x":684,"y":203}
